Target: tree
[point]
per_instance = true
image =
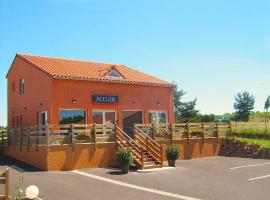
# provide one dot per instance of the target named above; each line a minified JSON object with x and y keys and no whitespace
{"x":177,"y":96}
{"x":267,"y":104}
{"x":184,"y":111}
{"x":266,"y":107}
{"x":244,"y":104}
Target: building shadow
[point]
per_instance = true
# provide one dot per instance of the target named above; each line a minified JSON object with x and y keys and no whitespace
{"x":17,"y":165}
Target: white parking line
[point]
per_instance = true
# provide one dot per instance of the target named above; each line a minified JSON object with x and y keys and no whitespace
{"x":260,"y":177}
{"x":168,"y":194}
{"x":244,"y":166}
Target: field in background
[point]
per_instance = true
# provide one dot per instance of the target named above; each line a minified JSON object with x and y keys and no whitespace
{"x":252,"y":132}
{"x":255,"y":128}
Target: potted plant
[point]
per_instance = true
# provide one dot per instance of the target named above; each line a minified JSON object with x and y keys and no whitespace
{"x":172,"y":153}
{"x":125,"y":158}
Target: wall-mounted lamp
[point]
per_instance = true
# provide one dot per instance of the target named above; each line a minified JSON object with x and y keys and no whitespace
{"x":74,"y":101}
{"x":158,"y":103}
{"x":25,"y":109}
{"x":133,"y":103}
{"x":40,"y":105}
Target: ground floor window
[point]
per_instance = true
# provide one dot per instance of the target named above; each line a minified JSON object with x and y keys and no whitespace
{"x":72,"y":116}
{"x":105,"y":117}
{"x":157,"y":117}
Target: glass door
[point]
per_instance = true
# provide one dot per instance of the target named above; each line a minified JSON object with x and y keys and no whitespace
{"x":104,"y":117}
{"x":43,"y":117}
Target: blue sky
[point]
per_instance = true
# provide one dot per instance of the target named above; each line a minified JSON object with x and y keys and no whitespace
{"x":211,"y":48}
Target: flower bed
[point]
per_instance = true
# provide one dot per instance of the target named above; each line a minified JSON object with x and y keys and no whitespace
{"x":244,"y":150}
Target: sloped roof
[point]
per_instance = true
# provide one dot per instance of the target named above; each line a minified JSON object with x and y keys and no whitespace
{"x":86,"y":70}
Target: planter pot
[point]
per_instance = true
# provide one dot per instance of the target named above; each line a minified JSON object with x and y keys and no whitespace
{"x":124,"y":169}
{"x":171,"y":163}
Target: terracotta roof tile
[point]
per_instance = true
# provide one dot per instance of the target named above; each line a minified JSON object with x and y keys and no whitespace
{"x":75,"y":69}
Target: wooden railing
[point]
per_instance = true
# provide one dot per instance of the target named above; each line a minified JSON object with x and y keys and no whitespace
{"x":123,"y":140}
{"x":176,"y":131}
{"x":60,"y":134}
{"x":149,"y":145}
{"x":3,"y":139}
{"x":4,"y":179}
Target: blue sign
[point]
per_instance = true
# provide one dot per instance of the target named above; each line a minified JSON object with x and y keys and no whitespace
{"x":101,"y":99}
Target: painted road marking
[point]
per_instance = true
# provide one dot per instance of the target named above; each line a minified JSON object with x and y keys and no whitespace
{"x":244,"y":166}
{"x":260,"y":177}
{"x":168,"y":194}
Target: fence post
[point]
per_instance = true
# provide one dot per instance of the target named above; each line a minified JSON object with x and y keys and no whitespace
{"x":171,"y":132}
{"x":230,"y":128}
{"x":153,"y":130}
{"x":7,"y":184}
{"x":28,"y":140}
{"x":217,"y":132}
{"x":95,"y":136}
{"x":2,"y":138}
{"x":187,"y":128}
{"x":161,"y":152}
{"x":48,"y":140}
{"x":37,"y":135}
{"x":8,"y":138}
{"x":72,"y":136}
{"x":202,"y":131}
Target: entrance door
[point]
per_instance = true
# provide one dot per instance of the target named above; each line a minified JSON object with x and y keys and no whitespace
{"x":129,"y":119}
{"x":105,"y":117}
{"x":43,"y":118}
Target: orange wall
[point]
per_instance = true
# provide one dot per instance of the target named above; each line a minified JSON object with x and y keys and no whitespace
{"x":82,"y":156}
{"x":38,"y":88}
{"x":196,"y":147}
{"x":146,"y":98}
{"x":61,"y":157}
{"x":35,"y":158}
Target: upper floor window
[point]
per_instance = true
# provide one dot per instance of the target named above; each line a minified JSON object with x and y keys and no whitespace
{"x":114,"y":74}
{"x":13,"y":87}
{"x":21,"y":87}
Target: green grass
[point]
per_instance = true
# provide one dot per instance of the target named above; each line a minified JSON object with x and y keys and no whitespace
{"x":263,"y":142}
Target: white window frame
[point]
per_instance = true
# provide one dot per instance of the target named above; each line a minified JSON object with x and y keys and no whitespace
{"x":42,"y":130}
{"x":107,"y":75}
{"x":103,"y":114}
{"x":21,"y":87}
{"x":159,"y":111}
{"x":85,"y":111}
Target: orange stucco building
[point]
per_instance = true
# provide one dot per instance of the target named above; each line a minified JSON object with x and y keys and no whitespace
{"x":45,"y":90}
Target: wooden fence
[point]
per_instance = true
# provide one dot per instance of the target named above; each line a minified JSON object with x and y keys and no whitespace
{"x":186,"y":130}
{"x":3,"y":138}
{"x":50,"y":135}
{"x":60,"y":134}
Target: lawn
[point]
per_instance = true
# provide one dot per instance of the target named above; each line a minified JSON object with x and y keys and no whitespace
{"x":263,"y":142}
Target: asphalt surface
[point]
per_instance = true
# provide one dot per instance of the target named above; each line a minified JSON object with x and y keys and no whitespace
{"x":214,"y":178}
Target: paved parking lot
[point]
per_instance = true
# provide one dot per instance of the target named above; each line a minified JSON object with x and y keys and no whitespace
{"x":214,"y":178}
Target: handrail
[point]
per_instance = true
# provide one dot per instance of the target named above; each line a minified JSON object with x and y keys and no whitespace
{"x":125,"y":141}
{"x":150,"y":145}
{"x":145,"y":141}
{"x":147,"y":136}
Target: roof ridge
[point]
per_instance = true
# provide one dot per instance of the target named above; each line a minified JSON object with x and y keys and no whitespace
{"x":71,"y":59}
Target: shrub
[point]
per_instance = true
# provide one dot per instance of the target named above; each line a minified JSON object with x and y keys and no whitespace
{"x":172,"y":152}
{"x":124,"y":156}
